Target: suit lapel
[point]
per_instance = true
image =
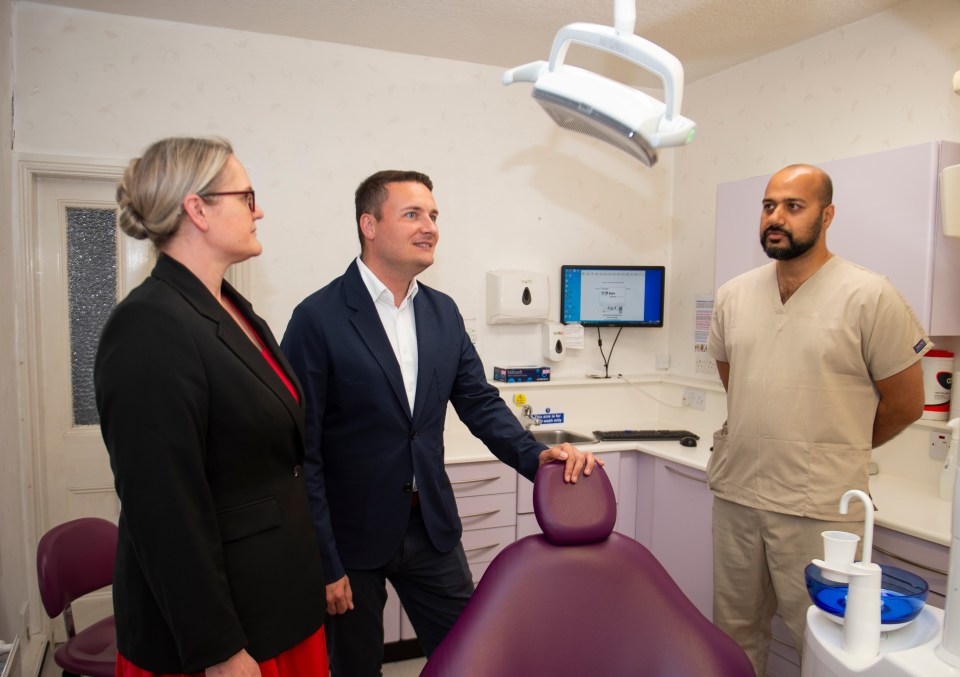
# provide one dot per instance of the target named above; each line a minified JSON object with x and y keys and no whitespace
{"x":427,"y":327}
{"x":367,"y":322}
{"x":187,"y":284}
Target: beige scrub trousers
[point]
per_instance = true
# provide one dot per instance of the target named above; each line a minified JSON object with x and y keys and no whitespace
{"x":759,"y":557}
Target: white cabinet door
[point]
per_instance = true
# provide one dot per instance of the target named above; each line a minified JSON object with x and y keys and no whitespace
{"x":682,"y":530}
{"x":928,"y":560}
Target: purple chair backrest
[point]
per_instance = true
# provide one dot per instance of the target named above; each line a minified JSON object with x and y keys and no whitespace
{"x":73,"y":559}
{"x":581,"y":600}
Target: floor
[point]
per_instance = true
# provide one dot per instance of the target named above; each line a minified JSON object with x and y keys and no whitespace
{"x":409,"y":668}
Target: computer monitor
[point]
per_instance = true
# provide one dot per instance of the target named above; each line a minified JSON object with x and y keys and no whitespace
{"x":612,"y":296}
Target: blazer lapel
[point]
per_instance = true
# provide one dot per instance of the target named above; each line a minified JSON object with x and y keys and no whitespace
{"x":367,"y":322}
{"x":427,"y":342}
{"x":238,"y":342}
{"x":186,"y":283}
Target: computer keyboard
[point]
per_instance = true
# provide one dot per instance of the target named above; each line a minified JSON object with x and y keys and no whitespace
{"x":609,"y":435}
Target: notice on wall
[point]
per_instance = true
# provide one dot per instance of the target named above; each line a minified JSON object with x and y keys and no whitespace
{"x":473,"y":331}
{"x":573,"y":336}
{"x":701,"y":333}
{"x":701,"y":326}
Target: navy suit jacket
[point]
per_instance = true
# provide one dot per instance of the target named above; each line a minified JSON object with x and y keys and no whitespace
{"x":363,"y":444}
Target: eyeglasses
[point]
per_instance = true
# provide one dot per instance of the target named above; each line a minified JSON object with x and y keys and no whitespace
{"x":249,"y":197}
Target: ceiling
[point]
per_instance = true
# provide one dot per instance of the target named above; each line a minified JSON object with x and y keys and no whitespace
{"x":707,"y":36}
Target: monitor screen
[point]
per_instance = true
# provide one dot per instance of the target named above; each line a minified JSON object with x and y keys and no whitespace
{"x":612,"y":296}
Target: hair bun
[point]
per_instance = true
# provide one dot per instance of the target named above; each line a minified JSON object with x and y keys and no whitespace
{"x":130,"y":220}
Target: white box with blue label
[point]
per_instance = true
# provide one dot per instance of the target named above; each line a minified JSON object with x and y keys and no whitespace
{"x":521,"y":374}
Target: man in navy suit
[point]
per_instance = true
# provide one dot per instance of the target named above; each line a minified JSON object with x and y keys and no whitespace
{"x":380,"y":356}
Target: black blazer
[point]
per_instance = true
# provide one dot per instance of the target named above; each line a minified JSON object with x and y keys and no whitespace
{"x":363,"y":443}
{"x":216,"y":551}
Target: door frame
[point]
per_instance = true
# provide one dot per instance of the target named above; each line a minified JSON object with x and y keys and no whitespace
{"x":31,"y":169}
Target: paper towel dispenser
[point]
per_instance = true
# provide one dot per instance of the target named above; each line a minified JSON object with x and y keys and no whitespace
{"x":517,"y":297}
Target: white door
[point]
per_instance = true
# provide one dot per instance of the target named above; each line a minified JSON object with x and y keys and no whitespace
{"x":83,"y":266}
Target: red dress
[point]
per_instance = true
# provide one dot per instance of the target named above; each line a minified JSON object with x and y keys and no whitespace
{"x":309,"y":657}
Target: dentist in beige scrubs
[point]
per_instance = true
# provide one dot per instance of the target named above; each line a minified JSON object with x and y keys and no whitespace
{"x":820,"y":359}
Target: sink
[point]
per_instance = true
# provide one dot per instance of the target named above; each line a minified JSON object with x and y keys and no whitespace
{"x":555,"y":437}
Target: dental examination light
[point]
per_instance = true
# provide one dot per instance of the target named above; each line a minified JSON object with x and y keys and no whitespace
{"x":593,"y":104}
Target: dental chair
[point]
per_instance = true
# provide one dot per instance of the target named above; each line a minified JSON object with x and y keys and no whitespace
{"x":581,"y":600}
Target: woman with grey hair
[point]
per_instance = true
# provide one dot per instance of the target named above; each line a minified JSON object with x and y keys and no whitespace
{"x":217,"y":568}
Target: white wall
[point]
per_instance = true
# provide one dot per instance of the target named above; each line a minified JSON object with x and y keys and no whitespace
{"x":310,"y":120}
{"x":879,"y":83}
{"x":13,"y":559}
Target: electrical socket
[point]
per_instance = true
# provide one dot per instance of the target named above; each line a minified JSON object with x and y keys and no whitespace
{"x":705,"y":364}
{"x":939,"y":445}
{"x":695,"y":399}
{"x":663,"y":362}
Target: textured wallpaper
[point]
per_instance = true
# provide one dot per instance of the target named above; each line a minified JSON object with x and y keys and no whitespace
{"x":311,"y":120}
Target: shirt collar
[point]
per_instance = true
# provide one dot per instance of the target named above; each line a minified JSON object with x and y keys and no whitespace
{"x":378,"y":290}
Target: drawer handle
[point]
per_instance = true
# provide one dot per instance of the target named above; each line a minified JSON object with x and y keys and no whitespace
{"x":479,"y":479}
{"x":482,"y":547}
{"x":908,"y":561}
{"x":480,"y":514}
{"x":683,"y":474}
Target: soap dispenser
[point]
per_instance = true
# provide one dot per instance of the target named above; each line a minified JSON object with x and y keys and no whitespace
{"x":861,"y":619}
{"x":949,"y":473}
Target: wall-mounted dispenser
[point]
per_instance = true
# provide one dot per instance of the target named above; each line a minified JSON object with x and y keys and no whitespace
{"x":554,"y":346}
{"x":517,"y":297}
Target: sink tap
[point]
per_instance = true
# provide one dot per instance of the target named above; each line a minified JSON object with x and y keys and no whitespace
{"x":527,"y":412}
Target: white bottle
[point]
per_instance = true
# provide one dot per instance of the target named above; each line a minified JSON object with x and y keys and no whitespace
{"x":949,"y":473}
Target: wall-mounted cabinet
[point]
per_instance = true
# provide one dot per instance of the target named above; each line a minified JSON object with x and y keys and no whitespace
{"x":887,"y":219}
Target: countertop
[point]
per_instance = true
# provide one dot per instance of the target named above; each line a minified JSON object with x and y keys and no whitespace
{"x":903,"y":505}
{"x":911,"y":508}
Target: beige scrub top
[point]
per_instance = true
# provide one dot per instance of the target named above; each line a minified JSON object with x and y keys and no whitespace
{"x":800,"y":397}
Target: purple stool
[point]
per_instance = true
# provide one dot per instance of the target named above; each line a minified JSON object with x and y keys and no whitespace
{"x":74,"y":559}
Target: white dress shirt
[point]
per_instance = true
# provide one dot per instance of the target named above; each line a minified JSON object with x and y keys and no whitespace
{"x":400,"y":325}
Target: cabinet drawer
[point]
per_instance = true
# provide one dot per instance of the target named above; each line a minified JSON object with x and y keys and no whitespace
{"x":928,"y":560}
{"x":611,"y":466}
{"x":477,"y":570}
{"x":473,"y":479}
{"x":783,"y":660}
{"x":485,"y":512}
{"x":482,"y":545}
{"x":391,"y":616}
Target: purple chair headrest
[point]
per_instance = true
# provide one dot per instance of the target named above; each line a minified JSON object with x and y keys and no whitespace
{"x":571,"y":514}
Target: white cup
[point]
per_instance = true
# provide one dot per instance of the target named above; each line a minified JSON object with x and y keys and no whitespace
{"x":839,"y":549}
